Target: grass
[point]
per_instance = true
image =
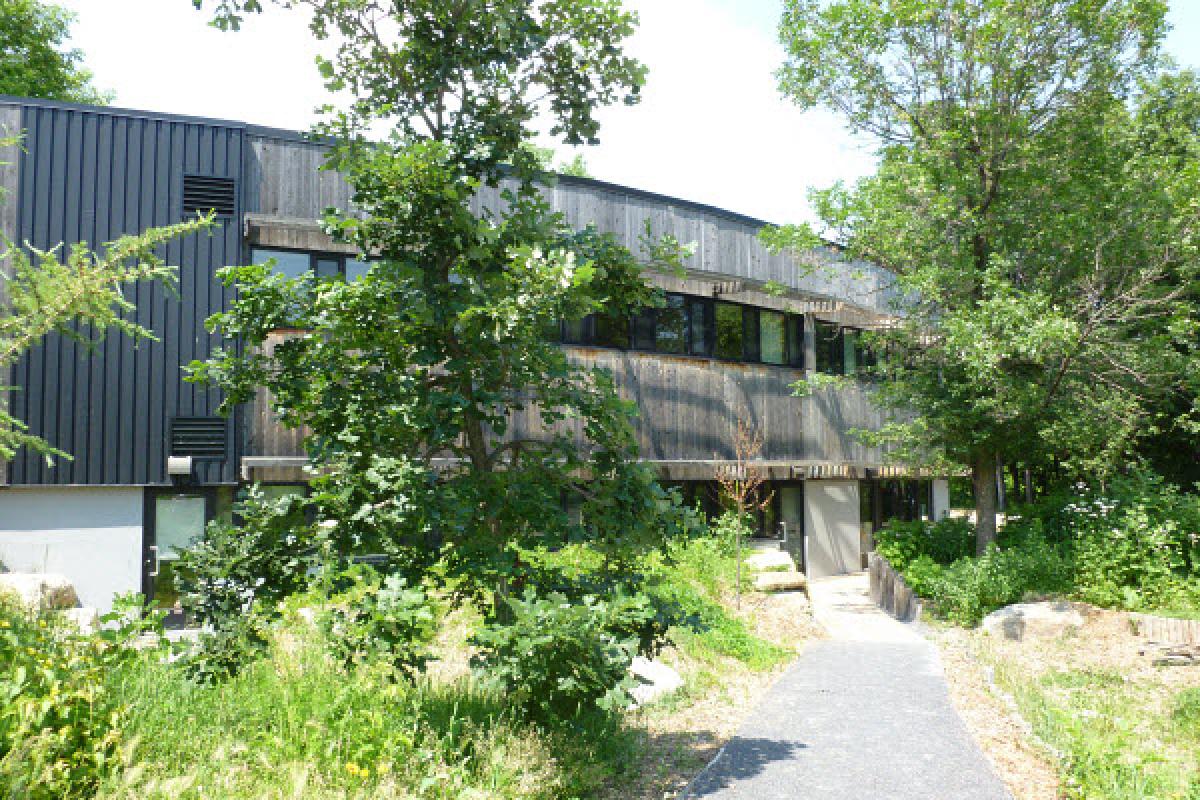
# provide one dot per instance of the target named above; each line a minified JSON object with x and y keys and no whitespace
{"x":297,"y":725}
{"x":1116,"y":739}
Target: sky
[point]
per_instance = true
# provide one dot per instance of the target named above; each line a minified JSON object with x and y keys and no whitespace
{"x":711,"y":126}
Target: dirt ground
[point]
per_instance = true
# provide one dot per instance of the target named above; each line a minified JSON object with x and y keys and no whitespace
{"x":1106,"y":643}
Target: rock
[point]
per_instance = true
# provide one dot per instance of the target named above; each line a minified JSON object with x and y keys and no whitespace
{"x":780,"y":581}
{"x":40,"y":592}
{"x":1179,"y":655}
{"x":87,"y":620}
{"x":656,"y":679}
{"x":1045,"y":620}
{"x":771,"y":561}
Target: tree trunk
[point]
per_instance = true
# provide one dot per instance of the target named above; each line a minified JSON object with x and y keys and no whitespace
{"x":983,"y":480}
{"x":1028,"y":486}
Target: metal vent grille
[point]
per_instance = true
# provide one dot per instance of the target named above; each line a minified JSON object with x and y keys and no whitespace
{"x":204,"y":193}
{"x":198,"y":437}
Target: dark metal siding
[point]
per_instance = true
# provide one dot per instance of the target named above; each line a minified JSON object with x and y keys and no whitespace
{"x":92,"y":175}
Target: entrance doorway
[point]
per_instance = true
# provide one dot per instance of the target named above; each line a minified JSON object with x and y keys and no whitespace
{"x":174,"y":520}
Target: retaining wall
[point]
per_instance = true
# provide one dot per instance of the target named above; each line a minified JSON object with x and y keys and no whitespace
{"x":890,"y":592}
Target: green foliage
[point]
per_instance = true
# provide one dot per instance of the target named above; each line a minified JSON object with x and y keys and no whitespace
{"x":377,"y":621}
{"x":33,"y":61}
{"x":440,"y":354}
{"x":944,"y":541}
{"x":1041,"y":221}
{"x":559,"y":660}
{"x":968,"y":589}
{"x":232,"y":580}
{"x":296,"y":724}
{"x":80,"y":297}
{"x":60,"y":726}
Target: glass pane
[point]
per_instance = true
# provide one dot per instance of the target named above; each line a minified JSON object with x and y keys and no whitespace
{"x":729,"y":331}
{"x":700,"y":314}
{"x":612,"y":331}
{"x":750,"y":334}
{"x":772,"y":348}
{"x":796,"y":340}
{"x":850,"y":350}
{"x":643,"y":330}
{"x":178,"y":522}
{"x":670,"y":334}
{"x":274,"y":491}
{"x":288,"y":264}
{"x":573,"y":331}
{"x":831,"y":357}
{"x":356,"y":269}
{"x":328,"y":268}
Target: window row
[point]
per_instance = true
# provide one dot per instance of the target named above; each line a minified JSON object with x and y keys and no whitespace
{"x":698,"y":326}
{"x":293,"y":264}
{"x":841,"y":350}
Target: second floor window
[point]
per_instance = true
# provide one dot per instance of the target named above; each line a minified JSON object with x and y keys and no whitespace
{"x":294,"y":263}
{"x":698,"y":326}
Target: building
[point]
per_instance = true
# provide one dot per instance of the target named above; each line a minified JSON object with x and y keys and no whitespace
{"x":153,"y":462}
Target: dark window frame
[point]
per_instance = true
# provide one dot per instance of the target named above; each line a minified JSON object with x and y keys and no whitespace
{"x":314,"y":257}
{"x":642,"y":332}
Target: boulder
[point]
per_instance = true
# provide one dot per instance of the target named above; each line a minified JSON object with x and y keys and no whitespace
{"x":1046,"y":620}
{"x":655,"y":680}
{"x":40,"y":592}
{"x":780,"y":581}
{"x":771,"y":561}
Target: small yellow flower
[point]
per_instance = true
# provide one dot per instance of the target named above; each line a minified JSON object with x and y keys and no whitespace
{"x":384,"y":768}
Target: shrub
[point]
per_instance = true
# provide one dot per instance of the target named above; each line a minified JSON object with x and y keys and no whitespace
{"x":60,"y":727}
{"x":968,"y":589}
{"x":1185,"y":712}
{"x":234,"y":574}
{"x":371,"y":622}
{"x":559,"y":660}
{"x":944,"y":541}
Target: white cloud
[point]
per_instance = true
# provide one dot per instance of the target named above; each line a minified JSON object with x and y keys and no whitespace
{"x":711,"y":126}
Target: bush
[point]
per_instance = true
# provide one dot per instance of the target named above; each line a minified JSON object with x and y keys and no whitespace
{"x":234,"y":574}
{"x":970,"y":588}
{"x":371,"y":622}
{"x":60,"y":727}
{"x":943,"y":542}
{"x":559,"y":660}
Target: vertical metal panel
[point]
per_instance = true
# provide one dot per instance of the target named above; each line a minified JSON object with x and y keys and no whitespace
{"x":93,"y":175}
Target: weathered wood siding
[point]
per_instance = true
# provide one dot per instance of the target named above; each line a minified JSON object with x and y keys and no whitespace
{"x":284,"y":180}
{"x":688,"y":412}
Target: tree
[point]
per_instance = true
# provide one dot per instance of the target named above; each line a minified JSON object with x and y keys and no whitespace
{"x":412,"y":379}
{"x":33,"y":60}
{"x":1046,"y":242}
{"x":742,"y":483}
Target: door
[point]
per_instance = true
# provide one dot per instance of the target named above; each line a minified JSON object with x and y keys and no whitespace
{"x":175,"y":519}
{"x":831,"y":524}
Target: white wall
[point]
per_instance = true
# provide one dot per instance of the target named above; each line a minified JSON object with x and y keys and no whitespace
{"x":91,"y":535}
{"x":831,"y":526}
{"x":941,"y":498}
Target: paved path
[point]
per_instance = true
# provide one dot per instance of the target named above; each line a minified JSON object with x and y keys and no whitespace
{"x":862,"y":715}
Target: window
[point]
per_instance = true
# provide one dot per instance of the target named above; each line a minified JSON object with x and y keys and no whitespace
{"x":730,"y":330}
{"x":670,"y":333}
{"x":772,"y":337}
{"x":293,"y":264}
{"x":698,"y":326}
{"x":795,"y":343}
{"x":700,"y":314}
{"x":850,"y":350}
{"x":831,"y":348}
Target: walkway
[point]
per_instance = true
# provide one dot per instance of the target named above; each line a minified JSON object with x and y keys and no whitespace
{"x":860,"y":716}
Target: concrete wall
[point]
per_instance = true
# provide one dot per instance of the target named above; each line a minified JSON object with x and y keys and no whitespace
{"x":831,"y":526}
{"x":91,"y":535}
{"x":941,"y":498}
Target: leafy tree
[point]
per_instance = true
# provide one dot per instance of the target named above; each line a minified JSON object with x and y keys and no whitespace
{"x":33,"y":61}
{"x":1035,"y":209}
{"x":412,"y":379}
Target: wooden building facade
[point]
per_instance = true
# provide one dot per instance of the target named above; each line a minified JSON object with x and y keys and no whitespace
{"x":148,"y":450}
